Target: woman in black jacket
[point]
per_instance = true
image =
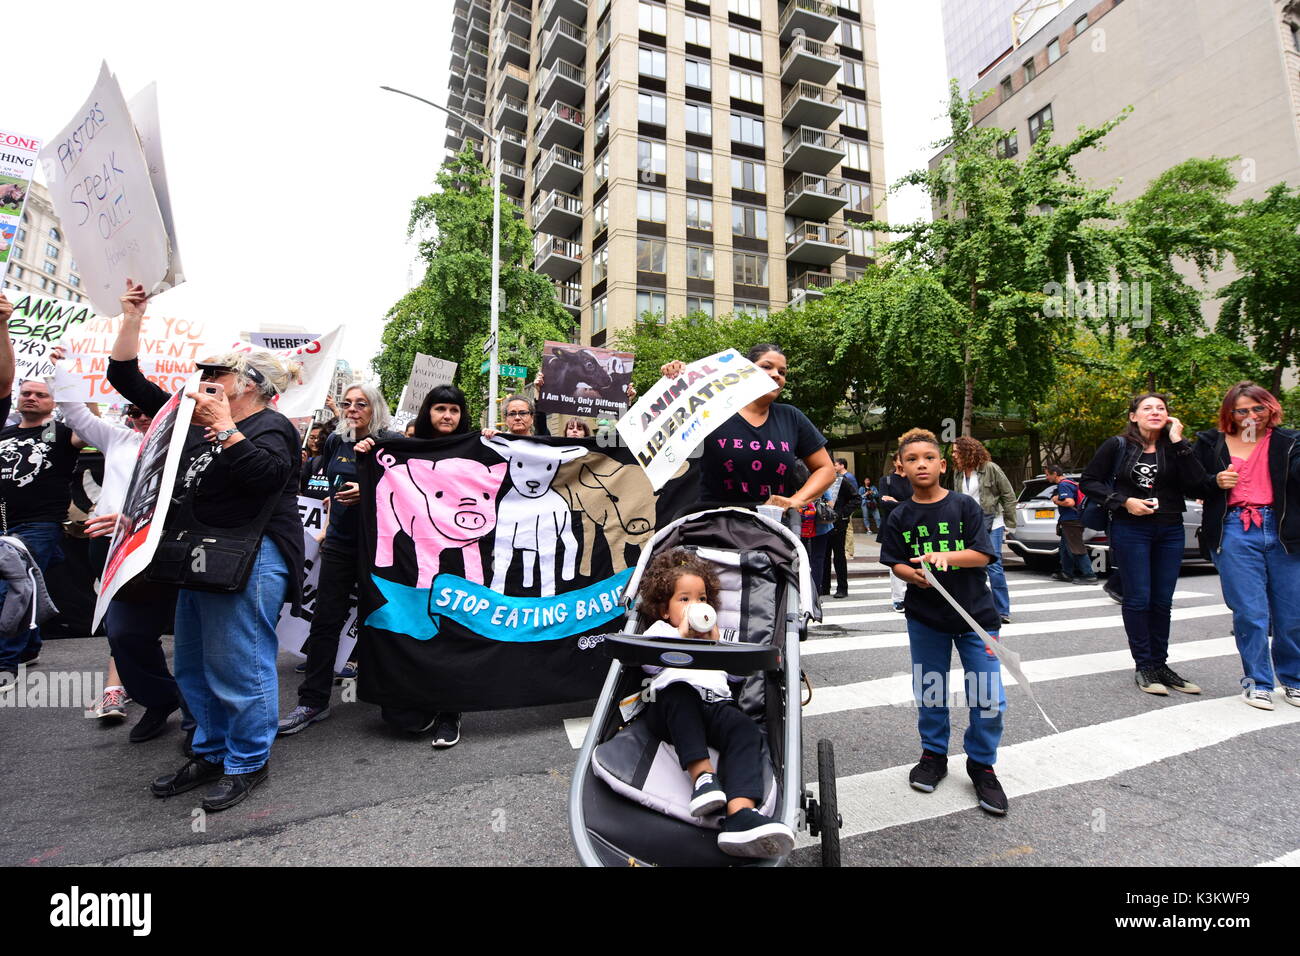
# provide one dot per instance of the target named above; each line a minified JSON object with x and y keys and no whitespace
{"x":1141,"y":478}
{"x":894,"y":490}
{"x":1251,"y":526}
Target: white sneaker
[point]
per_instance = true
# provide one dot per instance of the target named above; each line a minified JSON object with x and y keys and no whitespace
{"x":1258,"y":698}
{"x":1291,"y":695}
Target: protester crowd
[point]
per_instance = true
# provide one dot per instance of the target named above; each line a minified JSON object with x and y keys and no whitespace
{"x":244,"y":465}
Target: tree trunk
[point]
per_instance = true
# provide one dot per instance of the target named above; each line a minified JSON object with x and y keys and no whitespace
{"x":968,"y":399}
{"x":1284,"y":351}
{"x":1035,"y":447}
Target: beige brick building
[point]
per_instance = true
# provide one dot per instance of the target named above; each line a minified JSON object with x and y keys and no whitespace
{"x":40,"y":260}
{"x":682,"y":155}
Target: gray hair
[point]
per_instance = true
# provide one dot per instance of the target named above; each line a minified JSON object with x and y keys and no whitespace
{"x":379,"y":414}
{"x":276,"y":373}
{"x":519,"y":398}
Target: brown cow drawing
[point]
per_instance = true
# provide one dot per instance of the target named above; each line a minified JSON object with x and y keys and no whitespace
{"x":616,"y":497}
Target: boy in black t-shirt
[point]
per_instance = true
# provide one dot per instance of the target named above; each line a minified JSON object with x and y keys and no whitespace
{"x":946,"y":530}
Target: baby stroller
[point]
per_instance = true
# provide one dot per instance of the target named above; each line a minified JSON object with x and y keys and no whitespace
{"x":628,"y":800}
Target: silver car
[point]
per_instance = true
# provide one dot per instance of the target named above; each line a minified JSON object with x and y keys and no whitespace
{"x":1034,"y":538}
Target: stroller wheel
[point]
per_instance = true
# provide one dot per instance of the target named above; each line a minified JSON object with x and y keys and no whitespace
{"x":828,"y":815}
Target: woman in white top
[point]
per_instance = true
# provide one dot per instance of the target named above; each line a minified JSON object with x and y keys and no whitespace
{"x":984,"y":481}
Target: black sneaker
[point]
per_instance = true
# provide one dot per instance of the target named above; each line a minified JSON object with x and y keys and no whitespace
{"x":925,"y":776}
{"x":748,"y":833}
{"x":194,"y":773}
{"x":992,"y":797}
{"x":1087,"y":580}
{"x":446,"y":730}
{"x":1062,"y":576}
{"x":1149,"y":681}
{"x":1112,"y":591}
{"x":299,"y":719}
{"x":1006,"y":618}
{"x":1170,"y":679}
{"x":149,"y":726}
{"x":707,"y":797}
{"x":232,"y":788}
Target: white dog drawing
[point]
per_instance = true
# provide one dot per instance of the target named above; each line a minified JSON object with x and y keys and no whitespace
{"x":531,"y":517}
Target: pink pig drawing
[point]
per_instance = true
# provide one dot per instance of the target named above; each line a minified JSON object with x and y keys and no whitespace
{"x":441,"y":505}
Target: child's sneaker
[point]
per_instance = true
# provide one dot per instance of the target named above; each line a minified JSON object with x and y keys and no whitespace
{"x":992,"y":797}
{"x":707,"y":797}
{"x":925,"y":776}
{"x":748,"y":833}
{"x":112,"y":706}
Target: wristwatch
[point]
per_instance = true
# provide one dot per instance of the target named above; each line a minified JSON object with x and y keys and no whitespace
{"x":225,"y":433}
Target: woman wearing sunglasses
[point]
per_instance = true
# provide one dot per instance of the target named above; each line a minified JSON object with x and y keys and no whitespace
{"x":1251,"y":525}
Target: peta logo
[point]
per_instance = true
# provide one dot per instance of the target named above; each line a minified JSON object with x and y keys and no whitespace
{"x":77,"y":909}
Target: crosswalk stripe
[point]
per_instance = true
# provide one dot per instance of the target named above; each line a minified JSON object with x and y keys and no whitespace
{"x":840,"y":605}
{"x":897,"y":690}
{"x":841,"y":620}
{"x":863,"y":642}
{"x":880,"y":799}
{"x":874,"y":587}
{"x":1286,"y":859}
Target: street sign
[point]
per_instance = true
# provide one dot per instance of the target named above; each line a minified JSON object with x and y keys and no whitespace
{"x":487,"y":346}
{"x":507,"y":371}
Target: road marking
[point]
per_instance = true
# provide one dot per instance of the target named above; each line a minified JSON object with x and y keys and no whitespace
{"x":864,"y":642}
{"x":841,"y":620}
{"x":841,"y":605}
{"x":875,"y":801}
{"x":1286,"y":859}
{"x":1012,"y":584}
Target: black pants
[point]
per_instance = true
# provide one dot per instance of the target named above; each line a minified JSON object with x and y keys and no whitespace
{"x":135,"y":637}
{"x":680,"y":717}
{"x":338,"y":578}
{"x":835,"y":553}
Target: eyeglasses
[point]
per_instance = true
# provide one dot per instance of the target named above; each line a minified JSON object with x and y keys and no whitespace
{"x":517,"y":414}
{"x":210,"y":373}
{"x":1252,"y":410}
{"x":134,"y":413}
{"x":357,"y":404}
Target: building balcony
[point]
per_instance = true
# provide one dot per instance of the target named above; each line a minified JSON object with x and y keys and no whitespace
{"x":512,"y":112}
{"x":561,"y":125}
{"x":575,"y":11}
{"x":570,"y":296}
{"x":477,"y":54}
{"x":557,"y":213}
{"x":809,"y":150}
{"x":815,"y":197}
{"x":454,"y":138}
{"x":514,"y":81}
{"x":478,"y":10}
{"x":478,"y":23}
{"x":810,"y":285}
{"x":513,"y":179}
{"x":475,"y":104}
{"x":562,"y":81}
{"x":558,"y":168}
{"x":512,"y":48}
{"x":514,"y":146}
{"x":456,"y":99}
{"x":810,"y":60}
{"x":810,"y":104}
{"x":517,"y":18}
{"x":556,"y":257}
{"x":566,"y":41}
{"x":459,"y":27}
{"x":811,"y":18}
{"x":821,"y":244}
{"x":475,"y":79}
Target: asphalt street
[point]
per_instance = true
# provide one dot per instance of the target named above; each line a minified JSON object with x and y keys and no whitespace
{"x":1130,"y":779}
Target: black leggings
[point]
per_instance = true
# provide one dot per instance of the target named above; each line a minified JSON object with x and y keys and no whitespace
{"x":680,"y":717}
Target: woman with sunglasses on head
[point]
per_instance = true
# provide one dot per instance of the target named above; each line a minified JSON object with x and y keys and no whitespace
{"x":1251,"y":526}
{"x":240,"y":456}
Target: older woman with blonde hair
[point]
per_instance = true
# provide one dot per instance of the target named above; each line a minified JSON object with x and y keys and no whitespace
{"x":237,"y":479}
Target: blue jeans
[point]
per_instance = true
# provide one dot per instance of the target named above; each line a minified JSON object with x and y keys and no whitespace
{"x":998,"y":575}
{"x":1075,"y":565}
{"x":870,"y":515}
{"x":42,"y":539}
{"x":931,"y":658}
{"x":1150,"y":559}
{"x":225,"y":664}
{"x":1261,"y":583}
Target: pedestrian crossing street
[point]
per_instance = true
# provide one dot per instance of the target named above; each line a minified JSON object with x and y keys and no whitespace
{"x":1073,"y":650}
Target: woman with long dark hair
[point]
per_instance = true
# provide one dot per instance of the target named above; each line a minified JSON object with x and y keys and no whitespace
{"x":1251,"y":524}
{"x":1142,"y":478}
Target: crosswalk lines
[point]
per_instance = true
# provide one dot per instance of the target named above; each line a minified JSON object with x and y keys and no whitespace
{"x":1021,"y":607}
{"x":871,"y":600}
{"x":1286,"y":859}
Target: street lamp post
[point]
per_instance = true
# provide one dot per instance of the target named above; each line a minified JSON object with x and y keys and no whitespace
{"x":493,"y":337}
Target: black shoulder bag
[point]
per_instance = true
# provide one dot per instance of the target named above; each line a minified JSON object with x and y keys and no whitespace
{"x":1095,"y":514}
{"x":204,"y":558}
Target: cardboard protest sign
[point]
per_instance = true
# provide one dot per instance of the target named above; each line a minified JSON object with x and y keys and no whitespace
{"x":148,"y":496}
{"x":169,"y":347}
{"x":102,"y":193}
{"x":17,"y":164}
{"x":144,"y":113}
{"x":591,"y":382}
{"x":673,"y":419}
{"x":425,"y":374}
{"x":294,"y":625}
{"x":39,"y":323}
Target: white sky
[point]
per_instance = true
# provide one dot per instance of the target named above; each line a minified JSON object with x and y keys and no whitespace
{"x":292,"y":173}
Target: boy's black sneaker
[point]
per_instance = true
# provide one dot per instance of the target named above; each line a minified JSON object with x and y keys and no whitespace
{"x":925,"y":776}
{"x":1170,"y":679}
{"x":993,"y":799}
{"x":707,"y":797}
{"x":1149,"y":681}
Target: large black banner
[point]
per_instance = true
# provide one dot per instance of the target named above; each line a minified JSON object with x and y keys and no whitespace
{"x":491,"y":561}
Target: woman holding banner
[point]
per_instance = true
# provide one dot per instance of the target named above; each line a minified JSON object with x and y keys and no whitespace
{"x":237,"y":477}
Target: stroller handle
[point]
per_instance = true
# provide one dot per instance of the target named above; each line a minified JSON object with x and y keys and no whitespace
{"x":738,"y":659}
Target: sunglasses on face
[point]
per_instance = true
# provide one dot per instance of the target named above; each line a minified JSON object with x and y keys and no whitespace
{"x":134,"y":413}
{"x":357,"y":404}
{"x":211,"y":373}
{"x":517,"y":414}
{"x":1252,"y":410}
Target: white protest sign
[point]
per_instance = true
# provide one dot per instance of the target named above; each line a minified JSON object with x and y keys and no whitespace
{"x":38,"y":323}
{"x":17,"y":164}
{"x":144,"y":113}
{"x":168,"y":348}
{"x":675,"y":416}
{"x":100,"y":186}
{"x":425,"y":374}
{"x":294,"y":626}
{"x":317,"y":358}
{"x":276,"y":341}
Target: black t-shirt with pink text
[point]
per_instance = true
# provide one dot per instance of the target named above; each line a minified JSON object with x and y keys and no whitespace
{"x":746,"y":464}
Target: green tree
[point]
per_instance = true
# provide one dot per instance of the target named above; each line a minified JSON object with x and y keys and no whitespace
{"x":448,"y":314}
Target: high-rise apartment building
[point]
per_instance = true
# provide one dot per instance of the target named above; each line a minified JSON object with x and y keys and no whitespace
{"x":40,"y":261}
{"x":977,"y":33}
{"x":679,"y":156}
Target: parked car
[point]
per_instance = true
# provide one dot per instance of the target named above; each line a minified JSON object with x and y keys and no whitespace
{"x":1034,"y":539}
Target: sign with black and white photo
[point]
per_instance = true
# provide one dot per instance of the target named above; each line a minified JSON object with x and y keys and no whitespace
{"x":591,"y":382}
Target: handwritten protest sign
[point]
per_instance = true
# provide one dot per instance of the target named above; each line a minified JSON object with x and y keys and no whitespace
{"x":583,"y":381}
{"x":17,"y":164}
{"x":40,"y":322}
{"x":294,"y":626}
{"x":169,"y":347}
{"x":102,"y":193}
{"x":144,"y":113}
{"x":425,"y":374}
{"x":674,"y":418}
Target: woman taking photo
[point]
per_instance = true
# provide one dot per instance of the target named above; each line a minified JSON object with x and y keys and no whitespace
{"x":979,"y":477}
{"x":1251,"y":524}
{"x":1141,"y":478}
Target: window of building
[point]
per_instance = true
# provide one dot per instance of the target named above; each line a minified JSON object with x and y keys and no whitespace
{"x":22,"y":234}
{"x":74,"y":280}
{"x":50,"y":268}
{"x":600,"y":168}
{"x":599,"y":264}
{"x":698,"y":304}
{"x":18,"y":252}
{"x":747,"y":86}
{"x":599,"y":314}
{"x":604,"y":33}
{"x":699,"y":213}
{"x":748,"y":174}
{"x":600,"y":215}
{"x":602,"y":78}
{"x":699,"y":262}
{"x":1080,"y":25}
{"x":651,"y":108}
{"x":651,"y":255}
{"x":746,"y":8}
{"x":1053,"y":50}
{"x":699,"y":74}
{"x":74,"y":297}
{"x":860,"y":242}
{"x":855,"y":114}
{"x":1295,"y":35}
{"x":652,"y":62}
{"x":857,"y":155}
{"x":602,"y":122}
{"x":756,"y":309}
{"x":851,"y":74}
{"x":51,"y":251}
{"x":651,"y":158}
{"x":749,"y":221}
{"x":699,"y":166}
{"x":1036,"y":123}
{"x":746,"y":129}
{"x":1008,"y":146}
{"x":748,"y":269}
{"x":850,"y":35}
{"x":652,"y":17}
{"x":651,"y":307}
{"x":1006,"y":87}
{"x":652,"y":205}
{"x":859,"y":196}
{"x":54,"y":234}
{"x":1031,"y":71}
{"x":18,"y":272}
{"x":697,"y":30}
{"x":850,"y":5}
{"x":699,"y":119}
{"x":746,"y":43}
